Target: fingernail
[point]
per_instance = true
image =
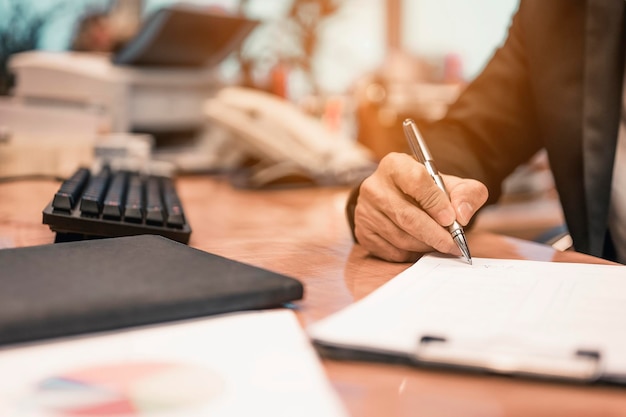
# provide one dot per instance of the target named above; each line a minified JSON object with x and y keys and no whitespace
{"x":465,"y":212}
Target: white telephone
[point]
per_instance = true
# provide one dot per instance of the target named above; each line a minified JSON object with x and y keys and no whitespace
{"x":286,"y":140}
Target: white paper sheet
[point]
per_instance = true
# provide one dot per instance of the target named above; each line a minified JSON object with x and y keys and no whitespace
{"x":522,"y":306}
{"x":243,"y":364}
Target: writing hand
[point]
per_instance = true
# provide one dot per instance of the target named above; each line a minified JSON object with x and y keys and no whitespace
{"x":401,"y":213}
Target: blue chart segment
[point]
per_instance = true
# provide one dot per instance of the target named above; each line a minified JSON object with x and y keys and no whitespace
{"x":128,"y":389}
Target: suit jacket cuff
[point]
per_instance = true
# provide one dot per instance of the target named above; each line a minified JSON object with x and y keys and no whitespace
{"x":350,"y":208}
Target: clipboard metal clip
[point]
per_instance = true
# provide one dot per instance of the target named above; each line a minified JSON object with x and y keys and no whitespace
{"x":572,"y":365}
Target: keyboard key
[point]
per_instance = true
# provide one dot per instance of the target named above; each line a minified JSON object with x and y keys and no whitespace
{"x":173,"y":207}
{"x":69,"y":193}
{"x":134,"y":207}
{"x":91,"y":202}
{"x":154,"y":203}
{"x":114,"y":200}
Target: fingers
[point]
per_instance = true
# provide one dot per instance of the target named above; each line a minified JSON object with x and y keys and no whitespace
{"x":412,"y":179}
{"x":386,"y":215}
{"x":384,"y":238}
{"x":385,"y":250}
{"x":401,"y":212}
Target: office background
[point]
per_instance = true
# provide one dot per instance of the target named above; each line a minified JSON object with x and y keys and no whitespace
{"x":351,"y":43}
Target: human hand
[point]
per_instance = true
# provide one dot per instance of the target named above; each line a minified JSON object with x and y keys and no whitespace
{"x":401,"y":213}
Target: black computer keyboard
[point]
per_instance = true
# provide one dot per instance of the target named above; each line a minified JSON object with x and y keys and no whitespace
{"x":116,"y":203}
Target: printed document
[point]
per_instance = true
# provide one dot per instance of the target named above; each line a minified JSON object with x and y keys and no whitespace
{"x":519,"y":307}
{"x":240,"y":364}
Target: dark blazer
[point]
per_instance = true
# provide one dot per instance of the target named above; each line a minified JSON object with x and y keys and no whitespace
{"x":556,"y":83}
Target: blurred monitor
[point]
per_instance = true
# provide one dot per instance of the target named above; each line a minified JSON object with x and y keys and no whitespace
{"x":185,"y":36}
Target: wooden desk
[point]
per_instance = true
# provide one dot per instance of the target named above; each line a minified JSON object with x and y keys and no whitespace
{"x":303,"y":233}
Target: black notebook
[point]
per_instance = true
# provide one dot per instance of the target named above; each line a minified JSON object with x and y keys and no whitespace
{"x":77,"y":287}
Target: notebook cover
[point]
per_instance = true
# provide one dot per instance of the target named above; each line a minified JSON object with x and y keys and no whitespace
{"x":76,"y":287}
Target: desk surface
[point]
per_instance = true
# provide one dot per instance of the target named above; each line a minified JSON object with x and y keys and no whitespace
{"x":303,"y":233}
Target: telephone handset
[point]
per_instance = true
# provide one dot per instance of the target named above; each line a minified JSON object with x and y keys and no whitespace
{"x":286,"y":140}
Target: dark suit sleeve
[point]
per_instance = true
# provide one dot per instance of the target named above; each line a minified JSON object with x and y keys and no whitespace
{"x":491,"y":129}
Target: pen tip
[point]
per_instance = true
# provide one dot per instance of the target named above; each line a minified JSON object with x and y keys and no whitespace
{"x":462,"y":244}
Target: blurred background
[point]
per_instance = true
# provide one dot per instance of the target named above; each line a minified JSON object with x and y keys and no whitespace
{"x":356,"y":68}
{"x":359,"y":64}
{"x":353,"y":39}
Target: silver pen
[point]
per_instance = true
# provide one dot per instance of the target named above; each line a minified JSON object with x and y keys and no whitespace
{"x":421,"y":152}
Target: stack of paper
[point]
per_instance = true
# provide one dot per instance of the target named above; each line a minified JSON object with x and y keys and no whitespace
{"x":508,"y":316}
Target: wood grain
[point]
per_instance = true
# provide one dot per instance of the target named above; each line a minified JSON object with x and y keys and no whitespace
{"x":303,"y":233}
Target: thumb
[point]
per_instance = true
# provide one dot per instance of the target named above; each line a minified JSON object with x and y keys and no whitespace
{"x":467,"y":196}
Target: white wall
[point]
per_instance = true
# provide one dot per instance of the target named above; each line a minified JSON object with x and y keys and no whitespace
{"x":470,"y":28}
{"x":355,"y":40}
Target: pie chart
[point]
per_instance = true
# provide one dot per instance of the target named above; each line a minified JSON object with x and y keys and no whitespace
{"x":126,"y":390}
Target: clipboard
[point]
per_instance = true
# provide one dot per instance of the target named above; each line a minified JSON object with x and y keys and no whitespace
{"x":95,"y":285}
{"x":534,"y":319}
